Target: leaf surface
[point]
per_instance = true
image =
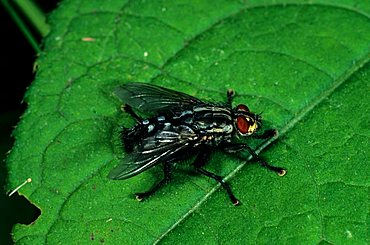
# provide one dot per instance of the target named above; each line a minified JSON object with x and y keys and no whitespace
{"x":305,"y":65}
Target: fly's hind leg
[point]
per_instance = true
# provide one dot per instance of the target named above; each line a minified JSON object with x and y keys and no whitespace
{"x":167,"y":171}
{"x":200,"y":161}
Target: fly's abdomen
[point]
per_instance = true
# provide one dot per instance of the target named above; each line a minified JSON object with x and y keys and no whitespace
{"x":155,"y":130}
{"x":134,"y":136}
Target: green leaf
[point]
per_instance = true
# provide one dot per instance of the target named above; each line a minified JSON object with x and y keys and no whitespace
{"x":305,"y":65}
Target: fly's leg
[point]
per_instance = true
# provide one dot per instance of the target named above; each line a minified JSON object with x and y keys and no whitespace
{"x":220,"y":180}
{"x":200,"y":161}
{"x":127,"y":108}
{"x":128,"y":139}
{"x":167,"y":177}
{"x":230,"y":95}
{"x":232,"y":148}
{"x":266,"y":135}
{"x":263,"y":163}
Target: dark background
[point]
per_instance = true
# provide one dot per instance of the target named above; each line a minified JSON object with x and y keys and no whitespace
{"x":17,"y":58}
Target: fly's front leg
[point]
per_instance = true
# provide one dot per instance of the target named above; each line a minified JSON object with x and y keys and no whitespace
{"x":167,"y":171}
{"x":232,"y":148}
{"x":230,"y":95}
{"x":200,"y":161}
{"x":266,"y":135}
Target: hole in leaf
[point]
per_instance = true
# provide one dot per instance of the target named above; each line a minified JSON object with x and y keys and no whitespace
{"x":22,"y":210}
{"x":15,"y":210}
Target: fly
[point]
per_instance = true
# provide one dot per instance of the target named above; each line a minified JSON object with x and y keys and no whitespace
{"x":182,"y":126}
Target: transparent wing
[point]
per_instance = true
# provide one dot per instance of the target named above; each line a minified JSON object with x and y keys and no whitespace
{"x":165,"y":145}
{"x":152,"y":99}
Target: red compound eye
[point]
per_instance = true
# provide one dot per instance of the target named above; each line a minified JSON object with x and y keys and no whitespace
{"x":242,"y":107}
{"x":242,"y":124}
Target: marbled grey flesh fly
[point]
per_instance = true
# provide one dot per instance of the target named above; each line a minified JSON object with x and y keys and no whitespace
{"x":181,"y":126}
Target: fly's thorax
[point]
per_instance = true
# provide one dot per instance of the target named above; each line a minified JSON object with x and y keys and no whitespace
{"x":213,"y":120}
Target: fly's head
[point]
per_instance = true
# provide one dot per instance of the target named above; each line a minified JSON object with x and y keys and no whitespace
{"x":245,"y":122}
